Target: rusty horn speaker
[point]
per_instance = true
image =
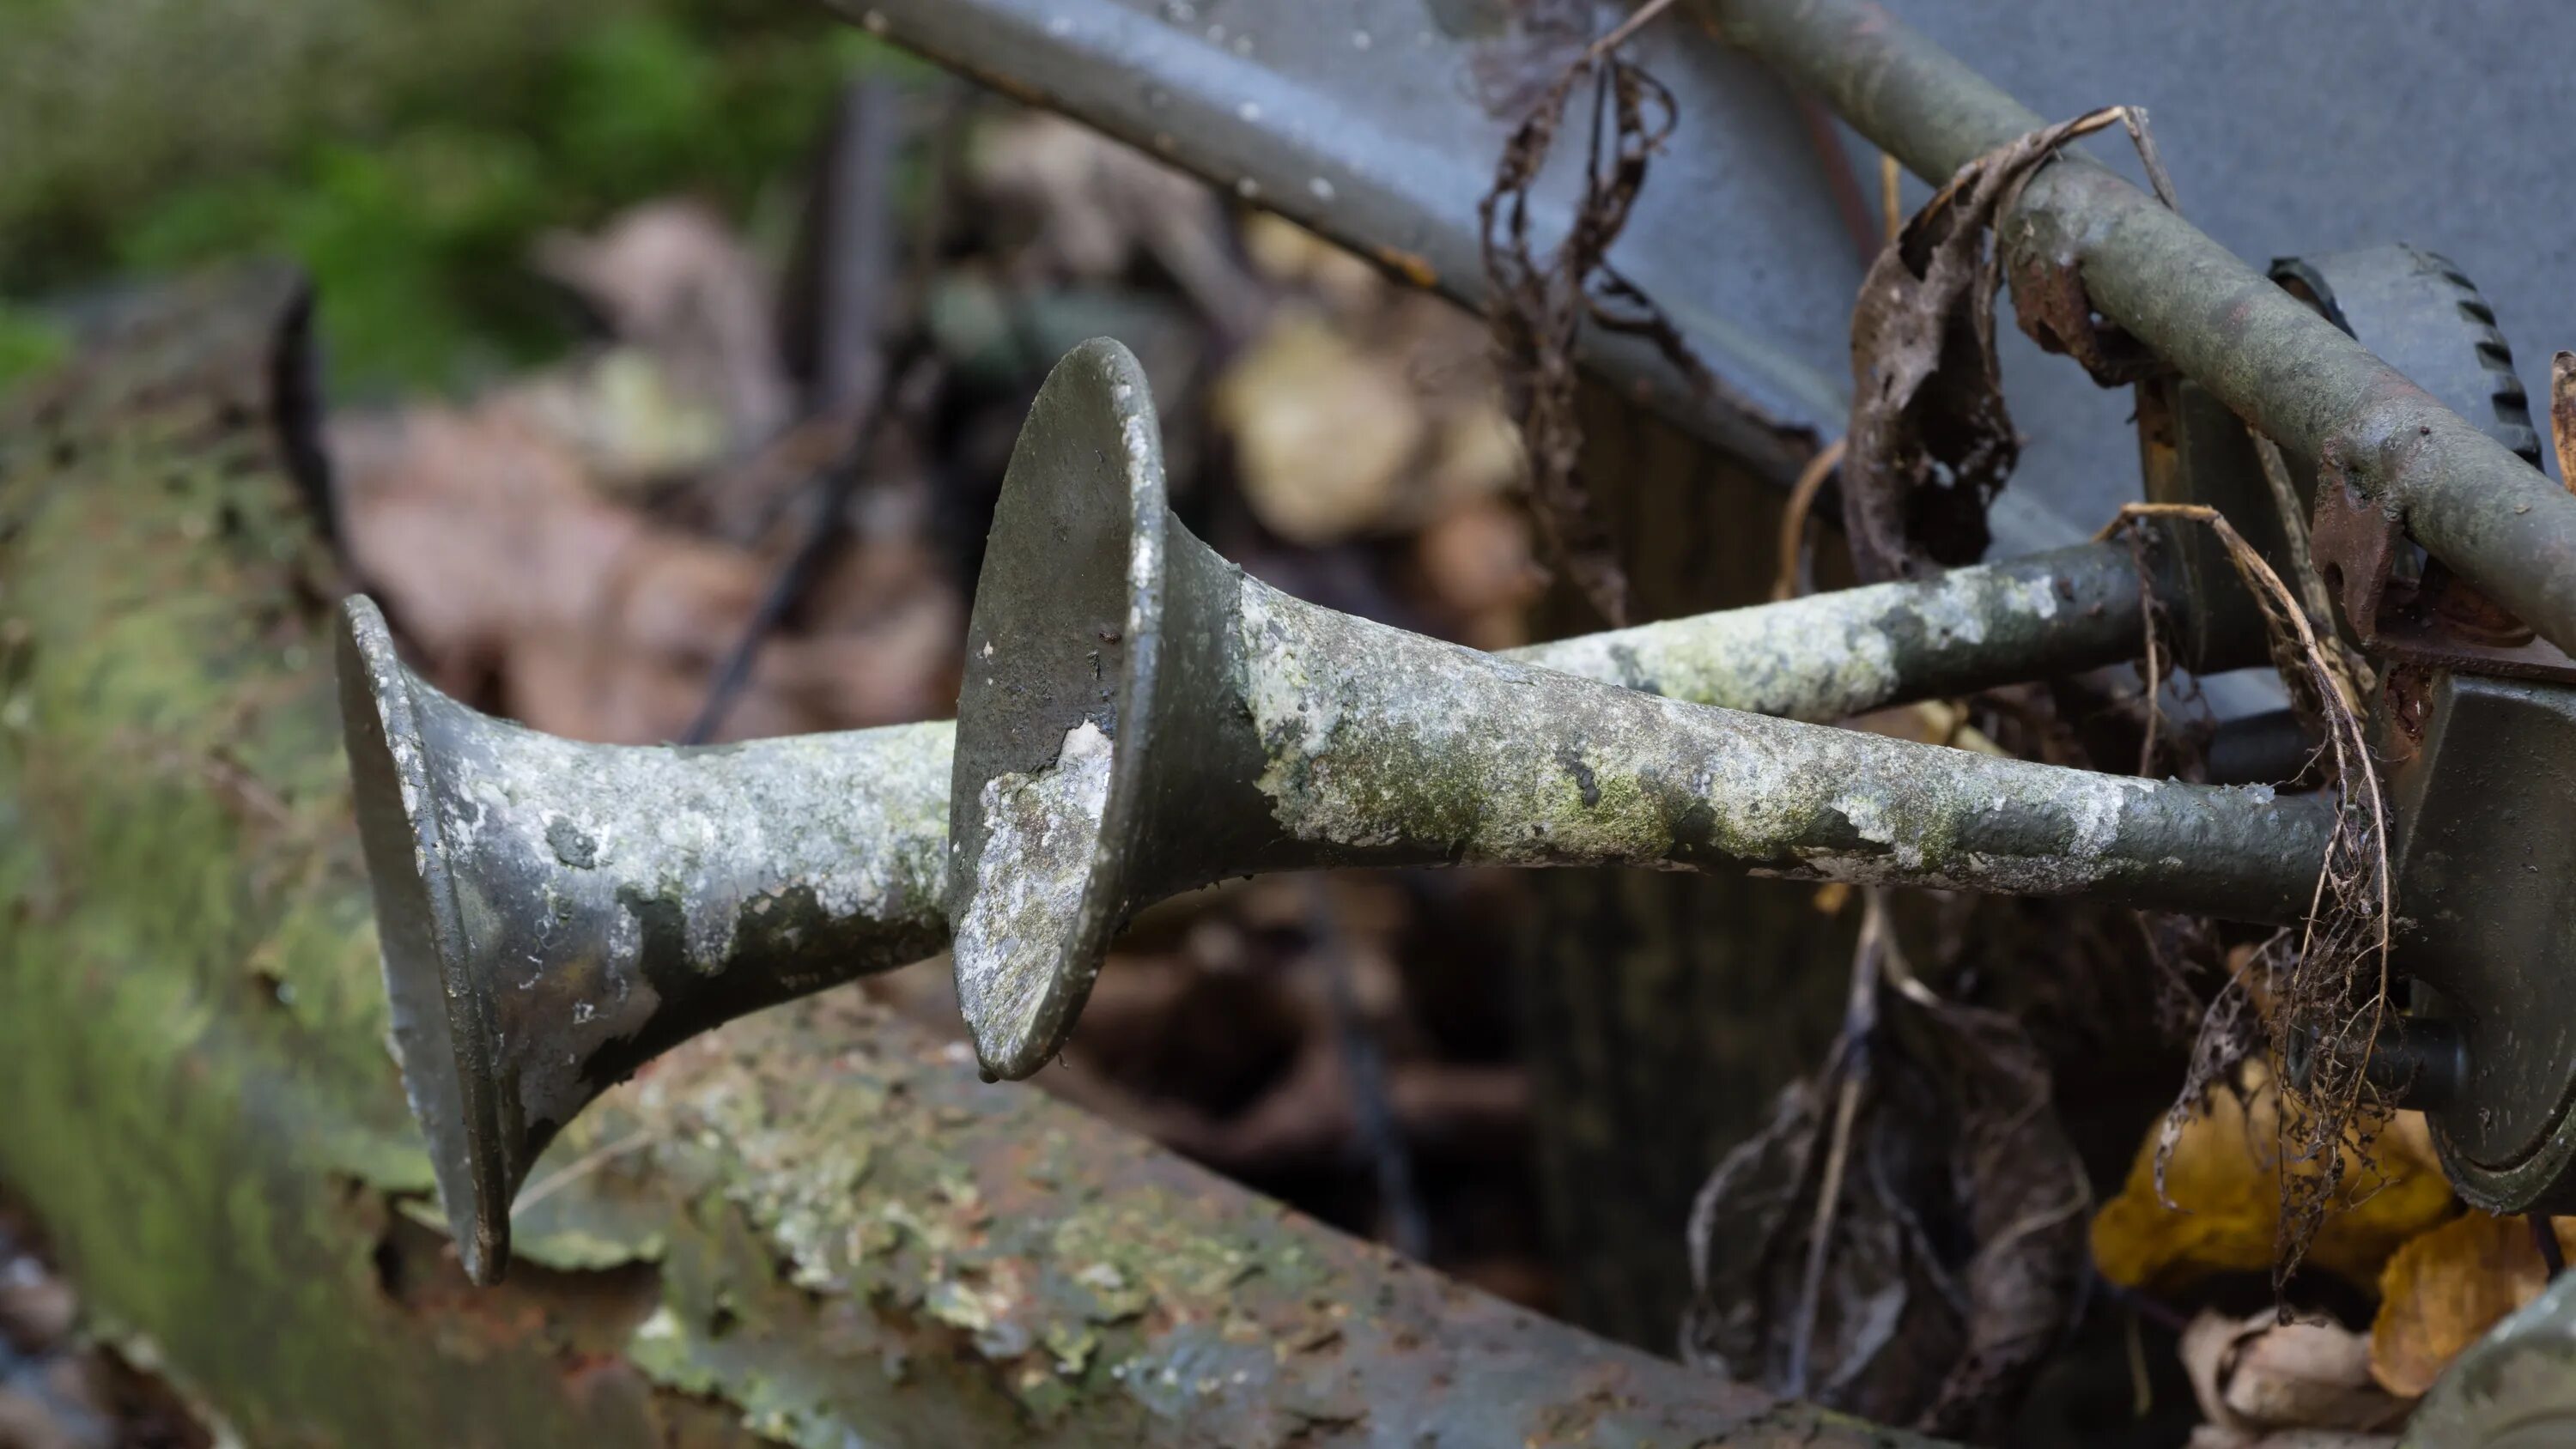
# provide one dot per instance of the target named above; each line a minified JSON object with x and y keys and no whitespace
{"x":526,"y":886}
{"x":1140,"y":718}
{"x":554,"y":914}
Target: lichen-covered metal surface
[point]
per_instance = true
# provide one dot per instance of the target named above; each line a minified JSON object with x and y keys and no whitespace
{"x":1404,"y":750}
{"x":814,"y":1227}
{"x":1834,"y":655}
{"x":555,"y":914}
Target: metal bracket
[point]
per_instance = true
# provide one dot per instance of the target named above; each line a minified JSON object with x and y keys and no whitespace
{"x":2485,"y":810}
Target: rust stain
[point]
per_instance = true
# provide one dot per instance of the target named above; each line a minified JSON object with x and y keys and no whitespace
{"x":1412,"y":266}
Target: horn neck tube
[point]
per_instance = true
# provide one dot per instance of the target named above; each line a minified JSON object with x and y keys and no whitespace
{"x":1140,"y":718}
{"x":553,"y":914}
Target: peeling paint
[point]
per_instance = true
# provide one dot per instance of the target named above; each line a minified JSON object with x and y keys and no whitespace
{"x":1043,"y":830}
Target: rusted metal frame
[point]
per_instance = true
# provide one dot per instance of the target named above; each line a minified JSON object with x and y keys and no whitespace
{"x":1159,"y":85}
{"x":815,"y":1228}
{"x":2467,"y":499}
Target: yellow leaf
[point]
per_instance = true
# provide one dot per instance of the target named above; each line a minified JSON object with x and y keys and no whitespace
{"x":2446,"y":1288}
{"x":2225,"y":1185}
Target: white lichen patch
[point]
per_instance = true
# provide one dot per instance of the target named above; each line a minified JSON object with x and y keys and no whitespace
{"x":1820,"y":662}
{"x":1042,"y":831}
{"x":1825,"y":657}
{"x":1377,"y":738}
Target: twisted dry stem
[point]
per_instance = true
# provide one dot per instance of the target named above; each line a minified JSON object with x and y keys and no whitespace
{"x":2331,"y":1001}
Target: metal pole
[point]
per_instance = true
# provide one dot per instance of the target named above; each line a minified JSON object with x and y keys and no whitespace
{"x":1830,"y":656}
{"x":2497,"y":521}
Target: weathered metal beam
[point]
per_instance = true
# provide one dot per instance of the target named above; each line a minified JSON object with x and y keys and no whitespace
{"x":2493,"y":518}
{"x":815,"y":1227}
{"x":1380,"y":125}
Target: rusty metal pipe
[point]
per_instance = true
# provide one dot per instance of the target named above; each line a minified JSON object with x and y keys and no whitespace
{"x":2492,"y":517}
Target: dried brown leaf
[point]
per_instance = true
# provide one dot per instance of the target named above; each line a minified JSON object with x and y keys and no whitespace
{"x":2446,"y":1288}
{"x":1931,"y":442}
{"x":1323,"y":430}
{"x":1095,"y":204}
{"x":503,"y":564}
{"x":1955,"y":1126}
{"x":672,"y":279}
{"x":2562,"y":415}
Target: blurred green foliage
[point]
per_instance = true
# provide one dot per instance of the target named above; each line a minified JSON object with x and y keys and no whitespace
{"x":407,"y":152}
{"x":28,"y":342}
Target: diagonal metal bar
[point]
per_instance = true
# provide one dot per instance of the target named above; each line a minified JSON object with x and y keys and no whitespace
{"x":2492,"y":517}
{"x":1379,"y":125}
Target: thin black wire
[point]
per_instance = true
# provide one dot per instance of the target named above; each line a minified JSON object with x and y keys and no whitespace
{"x":1364,"y":1067}
{"x":839,"y":483}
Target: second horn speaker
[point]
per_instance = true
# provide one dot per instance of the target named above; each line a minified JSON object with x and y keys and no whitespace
{"x":1139,"y":718}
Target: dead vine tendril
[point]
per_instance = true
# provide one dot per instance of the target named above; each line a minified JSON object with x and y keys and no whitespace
{"x":1539,"y":306}
{"x":2329,"y":998}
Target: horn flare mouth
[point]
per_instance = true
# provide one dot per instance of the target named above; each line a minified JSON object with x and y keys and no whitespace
{"x":1055,"y":716}
{"x":442,"y":1034}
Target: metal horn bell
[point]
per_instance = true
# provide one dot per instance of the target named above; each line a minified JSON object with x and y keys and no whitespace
{"x":1140,"y":718}
{"x":553,"y":914}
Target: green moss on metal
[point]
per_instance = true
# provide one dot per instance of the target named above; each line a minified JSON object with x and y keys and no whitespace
{"x":200,"y":1104}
